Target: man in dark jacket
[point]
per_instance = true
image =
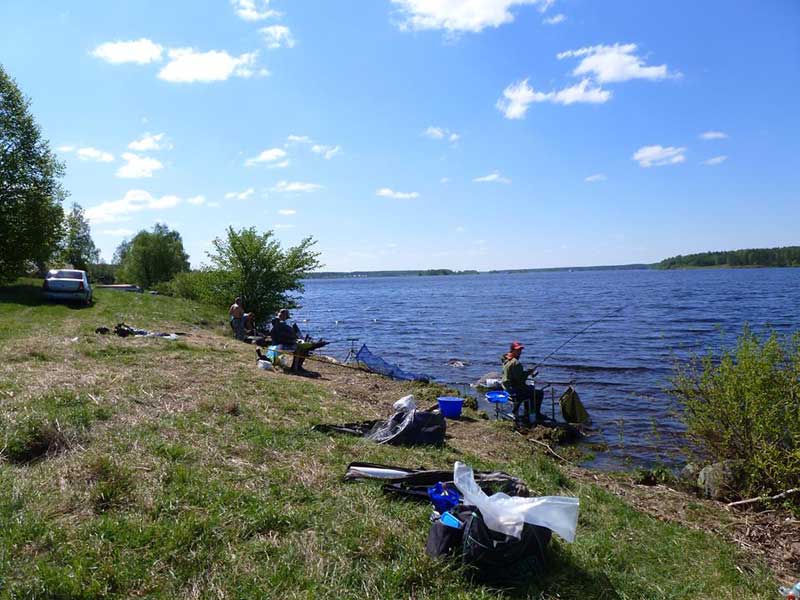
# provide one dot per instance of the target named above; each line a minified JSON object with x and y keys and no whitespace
{"x":515,"y":378}
{"x":289,"y":338}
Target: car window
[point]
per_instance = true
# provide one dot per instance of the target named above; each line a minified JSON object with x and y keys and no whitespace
{"x":66,"y":275}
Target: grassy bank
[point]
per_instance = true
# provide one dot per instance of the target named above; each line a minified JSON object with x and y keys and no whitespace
{"x":176,"y":469}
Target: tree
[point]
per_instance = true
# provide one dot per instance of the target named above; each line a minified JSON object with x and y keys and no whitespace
{"x":79,"y":249}
{"x":31,"y":215}
{"x":152,"y":256}
{"x":255,"y":266}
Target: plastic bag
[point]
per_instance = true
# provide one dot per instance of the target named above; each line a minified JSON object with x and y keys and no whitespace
{"x":507,"y":514}
{"x":405,"y":404}
{"x":265,"y":365}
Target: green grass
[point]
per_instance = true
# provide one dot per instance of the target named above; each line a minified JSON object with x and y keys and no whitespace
{"x":184,"y":472}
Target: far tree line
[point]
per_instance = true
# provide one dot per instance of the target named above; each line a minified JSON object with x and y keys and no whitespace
{"x":36,"y":234}
{"x":787,"y":256}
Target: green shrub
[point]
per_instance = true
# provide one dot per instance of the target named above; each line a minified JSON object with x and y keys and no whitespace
{"x":745,"y":406}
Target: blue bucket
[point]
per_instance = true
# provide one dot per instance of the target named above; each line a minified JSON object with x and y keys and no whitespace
{"x":450,"y":406}
{"x":498,"y":397}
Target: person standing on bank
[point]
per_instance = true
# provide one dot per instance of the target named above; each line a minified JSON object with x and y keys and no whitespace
{"x":515,"y":378}
{"x":236,"y":314}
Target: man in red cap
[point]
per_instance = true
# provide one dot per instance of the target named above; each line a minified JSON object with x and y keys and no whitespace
{"x":515,"y":379}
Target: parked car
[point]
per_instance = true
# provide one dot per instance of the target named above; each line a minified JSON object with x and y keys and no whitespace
{"x":67,"y":284}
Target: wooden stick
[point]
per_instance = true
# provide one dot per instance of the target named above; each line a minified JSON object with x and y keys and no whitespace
{"x":763,"y":498}
{"x":550,"y":450}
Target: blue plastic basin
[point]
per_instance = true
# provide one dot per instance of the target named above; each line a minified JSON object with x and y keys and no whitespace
{"x":450,"y":406}
{"x":497,"y":397}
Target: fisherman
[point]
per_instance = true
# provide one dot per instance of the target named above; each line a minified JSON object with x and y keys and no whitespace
{"x":290,"y":338}
{"x":515,"y":379}
{"x":236,"y":313}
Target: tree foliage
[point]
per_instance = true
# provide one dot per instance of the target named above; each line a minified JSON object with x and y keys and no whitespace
{"x":30,"y":191}
{"x":152,"y":257}
{"x":78,"y":247}
{"x":787,"y":256}
{"x":251,"y":265}
{"x":746,"y":407}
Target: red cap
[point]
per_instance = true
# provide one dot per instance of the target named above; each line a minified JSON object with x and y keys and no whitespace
{"x":516,"y":346}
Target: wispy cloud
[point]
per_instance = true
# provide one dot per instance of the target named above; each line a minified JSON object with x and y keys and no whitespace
{"x":518,"y":97}
{"x":95,"y":155}
{"x":493,"y":177}
{"x":283,"y":226}
{"x":458,"y":16}
{"x":253,"y":10}
{"x":555,"y":19}
{"x":150,"y":141}
{"x":295,"y":186}
{"x":658,"y":156}
{"x":196,"y":200}
{"x":132,"y":202}
{"x":243,"y":195}
{"x":596,"y":177}
{"x":138,"y":167}
{"x":441,"y":133}
{"x":327,"y":151}
{"x":614,"y":64}
{"x":141,"y":52}
{"x":187,"y":65}
{"x":713,"y":135}
{"x":287,"y":212}
{"x":298,"y":139}
{"x":716,"y":160}
{"x":390,"y":193}
{"x":277,"y":36}
{"x":267,"y":156}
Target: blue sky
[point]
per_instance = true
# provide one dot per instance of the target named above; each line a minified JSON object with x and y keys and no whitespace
{"x":424,"y":133}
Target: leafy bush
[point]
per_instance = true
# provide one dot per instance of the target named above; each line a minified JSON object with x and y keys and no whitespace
{"x":745,"y":407}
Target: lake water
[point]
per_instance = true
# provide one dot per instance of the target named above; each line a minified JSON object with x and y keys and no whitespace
{"x":621,"y":365}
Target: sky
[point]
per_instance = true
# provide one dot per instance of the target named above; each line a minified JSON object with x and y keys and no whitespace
{"x":412,"y":134}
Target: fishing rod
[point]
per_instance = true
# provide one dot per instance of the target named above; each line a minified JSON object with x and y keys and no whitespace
{"x":584,"y":330}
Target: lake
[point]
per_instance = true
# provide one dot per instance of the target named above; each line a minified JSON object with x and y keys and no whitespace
{"x":621,"y":365}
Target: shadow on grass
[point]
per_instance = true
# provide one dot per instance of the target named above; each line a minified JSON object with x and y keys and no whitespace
{"x":26,"y":294}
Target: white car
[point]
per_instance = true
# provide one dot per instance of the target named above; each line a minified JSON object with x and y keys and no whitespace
{"x":67,"y":284}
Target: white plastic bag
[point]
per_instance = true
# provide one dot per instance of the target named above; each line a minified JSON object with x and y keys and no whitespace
{"x":405,"y":404}
{"x":507,"y":514}
{"x":265,"y":365}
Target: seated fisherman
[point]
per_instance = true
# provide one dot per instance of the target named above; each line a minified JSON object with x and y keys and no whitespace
{"x":290,"y":338}
{"x":515,"y":379}
{"x":236,"y":314}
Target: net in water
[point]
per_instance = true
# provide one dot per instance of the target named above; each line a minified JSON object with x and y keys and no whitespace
{"x":376,"y":364}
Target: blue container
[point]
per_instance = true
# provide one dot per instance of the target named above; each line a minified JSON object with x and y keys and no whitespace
{"x":450,"y":406}
{"x":498,"y":397}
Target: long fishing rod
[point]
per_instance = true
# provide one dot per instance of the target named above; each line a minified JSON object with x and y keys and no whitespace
{"x":584,"y":330}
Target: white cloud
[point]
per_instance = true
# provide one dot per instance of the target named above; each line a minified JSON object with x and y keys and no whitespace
{"x":121,"y":232}
{"x":716,"y":160}
{"x":282,"y":226}
{"x":518,"y":97}
{"x":287,"y":212}
{"x":657,"y":156}
{"x":389,"y":193}
{"x":138,"y":167}
{"x":240,"y":195}
{"x":253,"y":10}
{"x":66,"y":148}
{"x":276,"y":36}
{"x":444,"y":180}
{"x":133,"y":201}
{"x":298,"y":139}
{"x":267,"y":156}
{"x":150,"y":141}
{"x":713,"y":135}
{"x":281,"y":165}
{"x":440,"y":133}
{"x":186,"y":65}
{"x":196,"y":200}
{"x":94,"y":154}
{"x":141,"y":51}
{"x":457,"y":16}
{"x":596,"y":177}
{"x":327,"y":151}
{"x":493,"y":177}
{"x":460,"y":229}
{"x":295,"y":186}
{"x":555,"y":19}
{"x":213,"y":204}
{"x":614,"y":64}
